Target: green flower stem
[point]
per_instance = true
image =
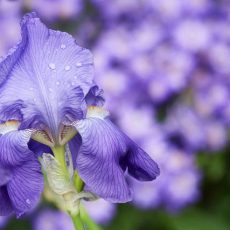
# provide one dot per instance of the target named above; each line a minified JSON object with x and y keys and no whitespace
{"x":59,"y":153}
{"x":78,"y":183}
{"x":89,"y":222}
{"x":78,"y":224}
{"x":91,"y":225}
{"x":82,"y":217}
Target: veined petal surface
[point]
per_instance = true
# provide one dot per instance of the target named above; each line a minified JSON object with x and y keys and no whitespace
{"x":5,"y":175}
{"x":5,"y":204}
{"x":104,"y":155}
{"x":14,"y":147}
{"x":45,"y":77}
{"x":26,"y":186}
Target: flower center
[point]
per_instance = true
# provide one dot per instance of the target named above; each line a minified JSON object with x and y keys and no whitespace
{"x":66,"y":133}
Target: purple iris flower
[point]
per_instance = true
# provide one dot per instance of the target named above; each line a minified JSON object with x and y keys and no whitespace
{"x":21,"y":180}
{"x":47,"y":91}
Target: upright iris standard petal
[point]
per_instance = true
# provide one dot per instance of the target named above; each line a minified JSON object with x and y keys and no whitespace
{"x":26,"y":186}
{"x":56,"y":75}
{"x":104,"y":153}
{"x":95,"y":97}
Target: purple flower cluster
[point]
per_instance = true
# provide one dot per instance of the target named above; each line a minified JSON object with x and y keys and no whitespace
{"x":9,"y":24}
{"x":157,"y":56}
{"x":52,"y":10}
{"x":152,"y":53}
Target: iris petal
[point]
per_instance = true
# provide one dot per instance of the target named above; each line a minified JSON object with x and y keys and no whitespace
{"x":74,"y":146}
{"x":14,"y":149}
{"x":5,"y":204}
{"x":139,"y":163}
{"x":8,"y":126}
{"x":5,"y":175}
{"x":25,"y":187}
{"x":104,"y":153}
{"x":38,"y":148}
{"x":56,"y":75}
{"x":98,"y":160}
{"x":95,"y":97}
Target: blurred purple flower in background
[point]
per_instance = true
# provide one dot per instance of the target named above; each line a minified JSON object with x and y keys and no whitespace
{"x":52,"y":220}
{"x":151,"y":53}
{"x":10,"y":12}
{"x":101,"y":211}
{"x":188,"y":129}
{"x":3,"y":221}
{"x":178,"y":186}
{"x":118,"y":8}
{"x":55,"y":9}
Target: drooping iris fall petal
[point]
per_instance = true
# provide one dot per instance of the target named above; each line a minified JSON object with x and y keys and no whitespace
{"x":104,"y":155}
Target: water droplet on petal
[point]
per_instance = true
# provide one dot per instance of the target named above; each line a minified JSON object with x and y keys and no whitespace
{"x":52,"y":66}
{"x":72,"y":83}
{"x":31,"y":88}
{"x":63,"y":46}
{"x":57,"y":83}
{"x":79,"y":64}
{"x":50,"y":89}
{"x":28,"y":201}
{"x":67,"y":68}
